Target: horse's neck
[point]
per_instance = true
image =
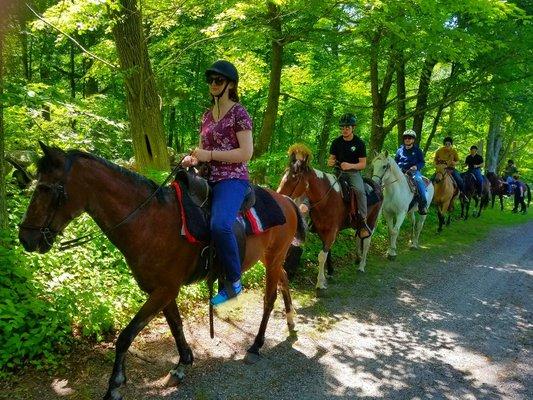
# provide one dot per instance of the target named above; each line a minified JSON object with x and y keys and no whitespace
{"x":320,"y":183}
{"x":395,"y":182}
{"x":110,"y":195}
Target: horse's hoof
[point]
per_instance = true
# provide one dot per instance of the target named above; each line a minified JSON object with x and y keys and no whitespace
{"x":391,"y":257}
{"x":175,"y":376}
{"x":321,"y":292}
{"x":115,"y":395}
{"x":360,"y":271}
{"x":251,"y":358}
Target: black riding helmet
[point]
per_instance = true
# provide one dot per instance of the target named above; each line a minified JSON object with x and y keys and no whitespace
{"x":447,"y":139}
{"x":224,"y":68}
{"x":347,"y":120}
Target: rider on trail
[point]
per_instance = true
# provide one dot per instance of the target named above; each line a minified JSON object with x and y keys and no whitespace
{"x":474,"y":162}
{"x":448,"y":155}
{"x":410,"y":159}
{"x":348,"y":151}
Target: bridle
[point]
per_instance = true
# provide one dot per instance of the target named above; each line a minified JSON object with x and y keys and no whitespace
{"x":60,"y":196}
{"x":380,"y":178}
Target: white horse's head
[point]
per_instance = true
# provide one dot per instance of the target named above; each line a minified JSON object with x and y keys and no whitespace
{"x":380,"y":165}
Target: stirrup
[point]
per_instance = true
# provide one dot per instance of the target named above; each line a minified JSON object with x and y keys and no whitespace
{"x":363,"y":228}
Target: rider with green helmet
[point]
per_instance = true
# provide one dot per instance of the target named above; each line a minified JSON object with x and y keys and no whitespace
{"x":348,"y":152}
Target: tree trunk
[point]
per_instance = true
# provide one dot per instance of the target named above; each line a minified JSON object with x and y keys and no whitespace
{"x":323,"y":138}
{"x":379,"y":95}
{"x":3,"y":202}
{"x":142,"y":100}
{"x":271,"y":112}
{"x":422,"y":97}
{"x":400,"y":92}
{"x":494,"y":141}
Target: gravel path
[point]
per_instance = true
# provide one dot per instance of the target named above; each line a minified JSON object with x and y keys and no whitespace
{"x":462,"y":331}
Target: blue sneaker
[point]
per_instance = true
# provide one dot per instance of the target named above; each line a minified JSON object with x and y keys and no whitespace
{"x":223,"y":295}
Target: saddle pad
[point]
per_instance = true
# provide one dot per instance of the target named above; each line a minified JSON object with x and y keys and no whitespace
{"x":265,"y":214}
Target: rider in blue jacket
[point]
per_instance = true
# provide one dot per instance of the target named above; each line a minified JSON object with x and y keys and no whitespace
{"x":410,"y":159}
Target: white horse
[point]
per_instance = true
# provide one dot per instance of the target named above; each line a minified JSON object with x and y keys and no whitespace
{"x":397,"y":197}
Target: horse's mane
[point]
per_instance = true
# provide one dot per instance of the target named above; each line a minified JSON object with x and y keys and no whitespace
{"x":47,"y":164}
{"x":302,"y":149}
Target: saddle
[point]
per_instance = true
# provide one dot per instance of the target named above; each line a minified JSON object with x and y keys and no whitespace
{"x":412,"y":184}
{"x":258,"y":213}
{"x":372,"y":192}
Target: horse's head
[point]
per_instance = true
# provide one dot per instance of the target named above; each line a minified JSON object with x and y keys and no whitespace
{"x":440,"y":171}
{"x":294,"y":181}
{"x":380,"y":165}
{"x":51,"y":207}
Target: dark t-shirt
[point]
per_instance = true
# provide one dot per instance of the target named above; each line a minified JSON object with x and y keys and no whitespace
{"x":349,"y":151}
{"x":472,"y":160}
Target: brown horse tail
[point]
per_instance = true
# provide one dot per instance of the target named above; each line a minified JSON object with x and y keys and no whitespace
{"x":301,"y":229}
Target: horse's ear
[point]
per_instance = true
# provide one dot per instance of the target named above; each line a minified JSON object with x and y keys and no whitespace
{"x":376,"y":153}
{"x":386,"y":153}
{"x":46,"y":150}
{"x":292,"y":157}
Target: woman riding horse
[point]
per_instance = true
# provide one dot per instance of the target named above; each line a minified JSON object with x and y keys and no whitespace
{"x":144,"y":223}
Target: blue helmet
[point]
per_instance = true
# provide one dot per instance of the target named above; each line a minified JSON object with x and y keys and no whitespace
{"x":224,"y":68}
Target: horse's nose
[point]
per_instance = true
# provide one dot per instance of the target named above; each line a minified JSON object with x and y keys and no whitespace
{"x":26,"y":243}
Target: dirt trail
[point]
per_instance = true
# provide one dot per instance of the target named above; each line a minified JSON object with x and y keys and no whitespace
{"x":462,"y":330}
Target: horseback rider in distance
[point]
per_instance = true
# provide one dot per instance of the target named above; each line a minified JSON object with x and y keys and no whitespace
{"x":448,"y":155}
{"x":474,"y":163}
{"x":348,"y":153}
{"x":410,"y":159}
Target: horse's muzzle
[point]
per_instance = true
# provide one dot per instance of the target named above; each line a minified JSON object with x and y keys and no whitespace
{"x":34,"y":240}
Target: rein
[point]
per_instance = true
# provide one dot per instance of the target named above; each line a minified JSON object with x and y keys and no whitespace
{"x":382,"y":185}
{"x":60,"y":195}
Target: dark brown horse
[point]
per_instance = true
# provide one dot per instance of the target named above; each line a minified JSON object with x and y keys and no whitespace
{"x":160,"y":259}
{"x":498,"y":187}
{"x":471,"y":192}
{"x":328,"y":211}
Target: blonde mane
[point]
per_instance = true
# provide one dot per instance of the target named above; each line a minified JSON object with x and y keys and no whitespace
{"x":302,"y":150}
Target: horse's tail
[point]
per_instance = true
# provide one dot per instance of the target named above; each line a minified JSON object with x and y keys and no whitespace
{"x":301,"y":229}
{"x":528,"y":194}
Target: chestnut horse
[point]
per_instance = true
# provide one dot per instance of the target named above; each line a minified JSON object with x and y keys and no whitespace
{"x":328,"y":211}
{"x":445,"y":193}
{"x":160,"y":259}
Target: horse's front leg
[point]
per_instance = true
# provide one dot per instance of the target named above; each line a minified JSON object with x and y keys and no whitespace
{"x":155,"y":303}
{"x":417,"y":228}
{"x":394,"y":232}
{"x":173,"y":318}
{"x":327,"y":241}
{"x":365,"y":244}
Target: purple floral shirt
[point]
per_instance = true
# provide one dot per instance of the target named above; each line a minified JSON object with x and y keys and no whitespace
{"x":222,"y":136}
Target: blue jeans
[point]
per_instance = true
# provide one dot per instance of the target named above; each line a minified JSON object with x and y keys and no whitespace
{"x":228,"y":196}
{"x":417,"y":176}
{"x":458,"y":179}
{"x":479,"y":178}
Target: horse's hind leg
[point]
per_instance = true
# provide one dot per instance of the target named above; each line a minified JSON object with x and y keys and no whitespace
{"x":173,"y":318}
{"x":283,"y":285}
{"x":155,"y":303}
{"x":273,"y":276}
{"x":417,"y":228}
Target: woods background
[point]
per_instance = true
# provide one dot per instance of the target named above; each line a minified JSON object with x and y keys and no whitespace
{"x":124,"y":79}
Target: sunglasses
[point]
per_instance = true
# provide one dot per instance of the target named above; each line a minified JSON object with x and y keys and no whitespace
{"x":217,"y":80}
